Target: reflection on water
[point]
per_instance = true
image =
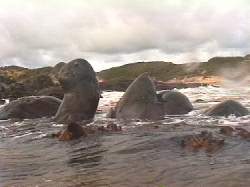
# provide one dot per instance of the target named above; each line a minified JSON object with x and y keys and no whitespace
{"x":143,"y":154}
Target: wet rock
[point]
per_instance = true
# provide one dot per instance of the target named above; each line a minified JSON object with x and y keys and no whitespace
{"x":160,"y":93}
{"x":199,"y":101}
{"x":204,"y":140}
{"x":81,"y":92}
{"x":75,"y":131}
{"x":139,"y":101}
{"x":175,"y":103}
{"x":243,"y":133}
{"x":72,"y":131}
{"x":2,"y":101}
{"x":113,"y":127}
{"x":30,"y":107}
{"x":111,"y":113}
{"x":227,"y":130}
{"x":52,"y":91}
{"x":226,"y":108}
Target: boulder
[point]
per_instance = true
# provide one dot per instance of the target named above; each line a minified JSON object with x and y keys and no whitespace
{"x":30,"y":107}
{"x":55,"y":91}
{"x":139,"y":101}
{"x":175,"y":103}
{"x":226,"y":108}
{"x":72,"y":131}
{"x":81,"y":92}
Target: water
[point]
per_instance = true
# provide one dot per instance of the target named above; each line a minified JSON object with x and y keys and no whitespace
{"x":143,"y":154}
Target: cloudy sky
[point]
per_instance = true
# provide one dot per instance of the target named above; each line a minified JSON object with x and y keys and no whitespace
{"x":35,"y":33}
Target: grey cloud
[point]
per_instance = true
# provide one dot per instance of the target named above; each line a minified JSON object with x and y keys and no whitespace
{"x":38,"y":33}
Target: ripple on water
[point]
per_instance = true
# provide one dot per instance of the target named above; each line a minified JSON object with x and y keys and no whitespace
{"x":144,"y":154}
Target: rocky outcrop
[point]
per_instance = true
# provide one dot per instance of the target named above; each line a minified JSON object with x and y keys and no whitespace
{"x":81,"y":92}
{"x":55,"y":91}
{"x":139,"y":101}
{"x":175,"y":103}
{"x":71,"y":132}
{"x":30,"y":107}
{"x":226,"y":108}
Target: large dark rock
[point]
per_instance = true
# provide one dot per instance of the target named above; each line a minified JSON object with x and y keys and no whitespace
{"x":175,"y":103}
{"x":81,"y":92}
{"x":30,"y":107}
{"x":139,"y":101}
{"x":55,"y":91}
{"x":227,"y":108}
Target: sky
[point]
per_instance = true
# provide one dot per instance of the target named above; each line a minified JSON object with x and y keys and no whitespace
{"x":107,"y":33}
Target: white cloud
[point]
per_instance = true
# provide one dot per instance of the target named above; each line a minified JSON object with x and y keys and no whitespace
{"x":36,"y":33}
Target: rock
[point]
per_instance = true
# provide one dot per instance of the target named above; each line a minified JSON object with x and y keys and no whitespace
{"x":111,"y":113}
{"x":81,"y":92}
{"x":139,"y":101}
{"x":72,"y":131}
{"x":243,"y":133}
{"x":226,"y":108}
{"x":199,"y":101}
{"x":205,"y":140}
{"x":52,"y":91}
{"x":30,"y":107}
{"x":2,"y":101}
{"x":175,"y":103}
{"x":160,"y":93}
{"x":113,"y":127}
{"x":227,"y":130}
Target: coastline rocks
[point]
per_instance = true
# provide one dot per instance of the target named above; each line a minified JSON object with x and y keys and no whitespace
{"x":71,"y":132}
{"x":81,"y":92}
{"x":175,"y":103}
{"x":30,"y":107}
{"x":139,"y":101}
{"x":226,"y":108}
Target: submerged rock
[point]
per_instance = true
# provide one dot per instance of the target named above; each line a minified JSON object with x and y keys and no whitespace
{"x":227,"y":130}
{"x":139,"y":101}
{"x":226,"y":108}
{"x":175,"y":103}
{"x":81,"y":92}
{"x":56,"y":91}
{"x":72,"y":131}
{"x":30,"y":107}
{"x":205,"y":140}
{"x":75,"y":131}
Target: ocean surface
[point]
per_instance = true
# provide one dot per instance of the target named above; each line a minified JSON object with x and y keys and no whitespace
{"x":143,"y":154}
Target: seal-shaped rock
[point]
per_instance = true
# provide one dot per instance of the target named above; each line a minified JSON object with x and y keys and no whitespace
{"x":226,"y":108}
{"x":139,"y":101}
{"x":30,"y":107}
{"x":81,"y":92}
{"x":175,"y":103}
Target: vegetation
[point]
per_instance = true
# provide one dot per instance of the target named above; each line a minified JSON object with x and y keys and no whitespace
{"x":166,"y":70}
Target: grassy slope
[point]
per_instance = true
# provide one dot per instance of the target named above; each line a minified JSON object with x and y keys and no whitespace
{"x":166,"y":70}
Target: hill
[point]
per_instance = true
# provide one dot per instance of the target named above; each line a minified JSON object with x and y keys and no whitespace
{"x":230,"y":67}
